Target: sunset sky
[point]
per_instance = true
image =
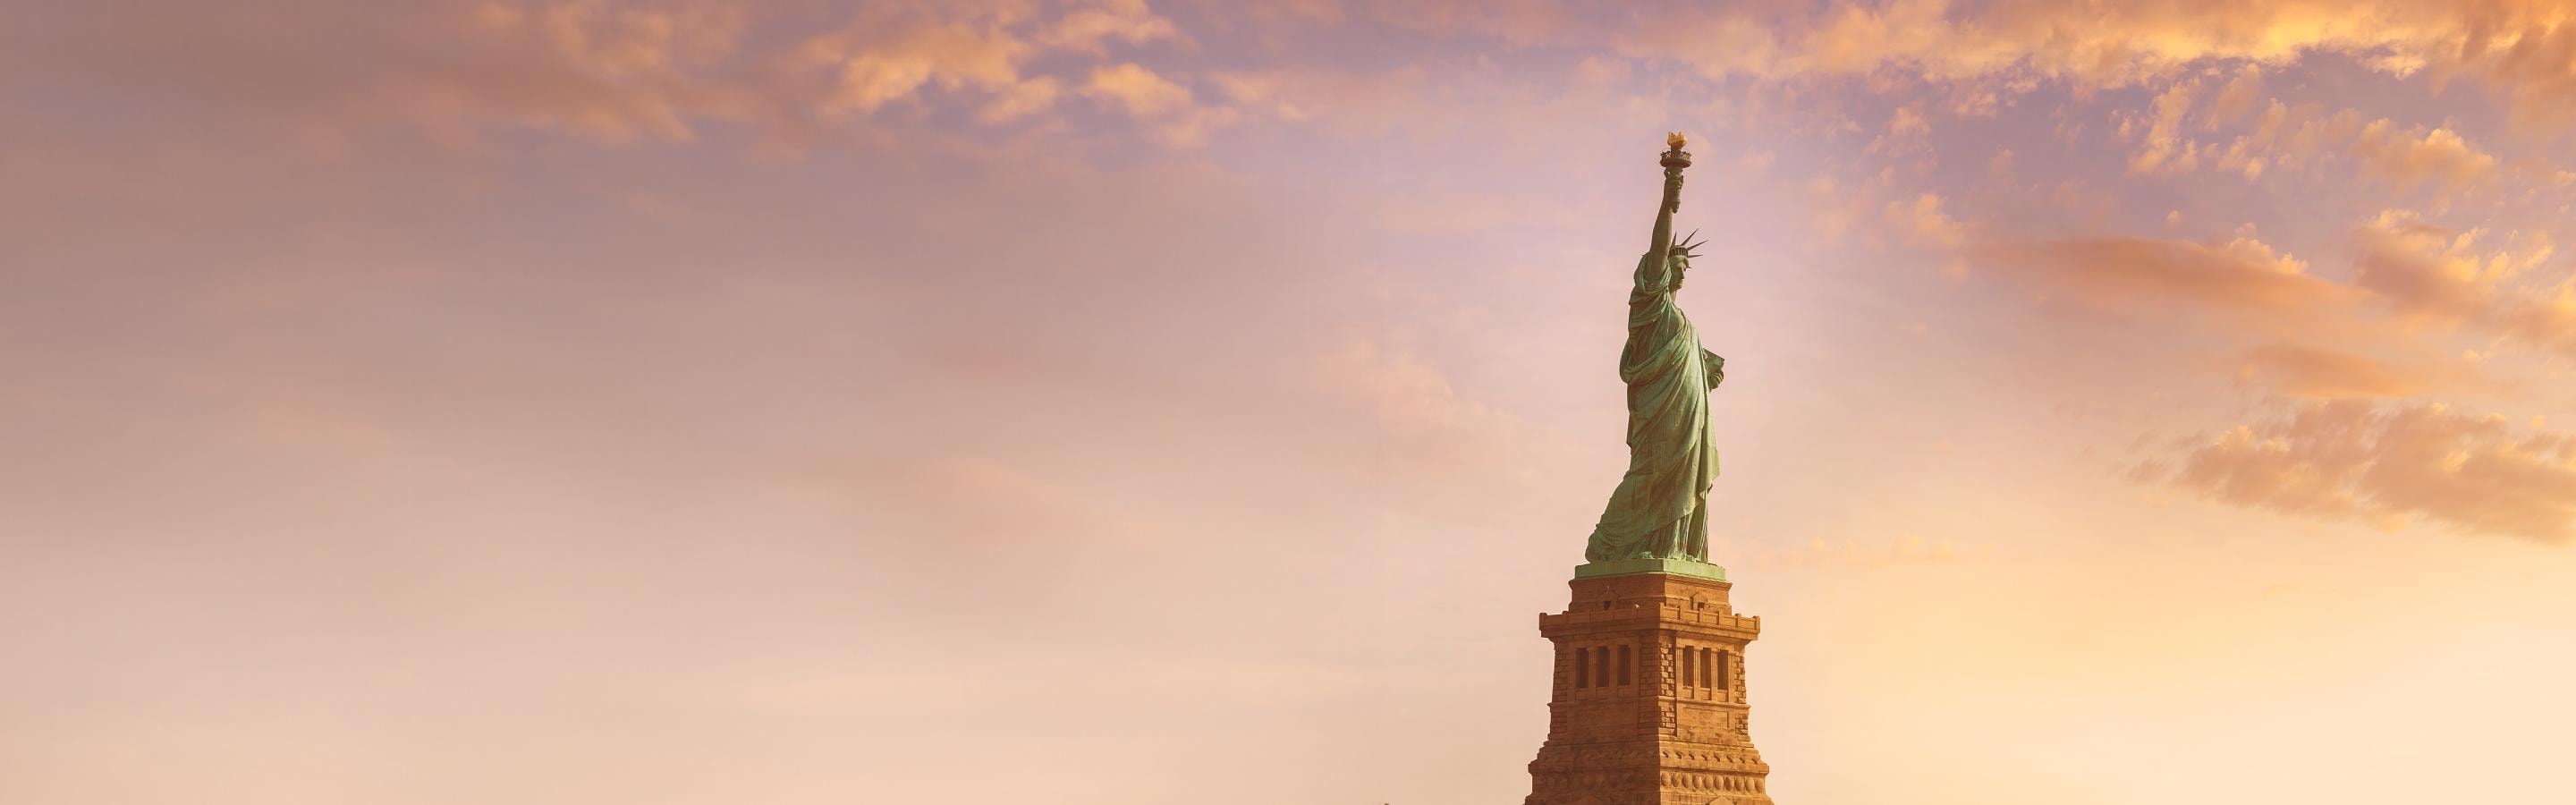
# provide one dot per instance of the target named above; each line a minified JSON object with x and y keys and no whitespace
{"x":533,"y":402}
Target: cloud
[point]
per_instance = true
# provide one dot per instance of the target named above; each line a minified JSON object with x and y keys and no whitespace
{"x":2407,"y":158}
{"x":1922,"y":221}
{"x":2519,"y":47}
{"x":2423,"y":268}
{"x":1139,"y":91}
{"x":2243,"y":279}
{"x":1168,"y":110}
{"x":2443,"y":275}
{"x":2529,"y":58}
{"x":1088,"y":29}
{"x":2547,"y":318}
{"x":986,"y":51}
{"x":2386,"y":466}
{"x":611,"y":73}
{"x":2408,"y":274}
{"x":2315,"y":373}
{"x":2270,"y":314}
{"x":618,"y":73}
{"x":665,"y":68}
{"x":2165,"y":150}
{"x":951,"y":56}
{"x":2237,"y":99}
{"x":1907,"y":131}
{"x":1021,"y":100}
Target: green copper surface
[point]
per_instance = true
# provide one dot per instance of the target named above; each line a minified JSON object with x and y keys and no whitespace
{"x":1678,"y":567}
{"x":1659,"y":510}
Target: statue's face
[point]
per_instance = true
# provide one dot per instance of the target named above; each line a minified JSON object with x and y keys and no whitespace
{"x":1680,"y":265}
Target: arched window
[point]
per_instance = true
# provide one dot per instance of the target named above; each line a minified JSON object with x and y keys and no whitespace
{"x":1582,"y":669}
{"x":1623,"y":665}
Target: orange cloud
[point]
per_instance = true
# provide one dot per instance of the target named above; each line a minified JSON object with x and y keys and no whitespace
{"x":1021,"y":100}
{"x":2237,"y":99}
{"x":1138,"y":90}
{"x":888,"y":58}
{"x":1906,"y":132}
{"x":1088,"y":29}
{"x":2351,"y":461}
{"x":2517,"y":46}
{"x":619,"y":72}
{"x":2242,"y":291}
{"x":2422,"y":267}
{"x":2242,"y":278}
{"x":2407,"y":273}
{"x":2165,"y":151}
{"x":1923,"y":221}
{"x":1169,"y":111}
{"x":950,"y":55}
{"x":2544,"y":318}
{"x":2441,"y":274}
{"x":2407,"y":158}
{"x":2310,"y":372}
{"x":611,"y":73}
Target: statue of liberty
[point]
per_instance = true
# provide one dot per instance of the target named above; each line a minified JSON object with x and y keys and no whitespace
{"x":1660,"y":510}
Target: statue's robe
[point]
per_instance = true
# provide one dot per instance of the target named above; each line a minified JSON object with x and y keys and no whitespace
{"x":1660,"y":507}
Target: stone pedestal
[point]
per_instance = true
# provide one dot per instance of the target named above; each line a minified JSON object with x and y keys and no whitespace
{"x":1649,"y":705}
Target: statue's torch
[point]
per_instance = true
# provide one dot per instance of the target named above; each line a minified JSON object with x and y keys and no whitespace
{"x":1675,"y":159}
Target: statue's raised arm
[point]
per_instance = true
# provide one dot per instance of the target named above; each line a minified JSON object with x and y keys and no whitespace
{"x":1674,"y":161}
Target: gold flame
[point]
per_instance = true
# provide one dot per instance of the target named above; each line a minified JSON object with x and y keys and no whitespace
{"x":1676,"y":140}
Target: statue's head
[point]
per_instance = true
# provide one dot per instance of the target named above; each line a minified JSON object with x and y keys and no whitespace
{"x":1677,"y":259}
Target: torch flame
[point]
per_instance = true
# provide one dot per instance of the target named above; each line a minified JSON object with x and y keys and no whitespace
{"x":1676,"y":140}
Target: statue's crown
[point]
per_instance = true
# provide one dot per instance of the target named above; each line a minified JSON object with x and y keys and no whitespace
{"x":1686,"y":247}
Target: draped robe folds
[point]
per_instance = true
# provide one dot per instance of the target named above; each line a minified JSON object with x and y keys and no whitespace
{"x":1660,"y":507}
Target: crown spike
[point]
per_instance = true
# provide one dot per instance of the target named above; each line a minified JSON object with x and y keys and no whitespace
{"x":1688,"y":247}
